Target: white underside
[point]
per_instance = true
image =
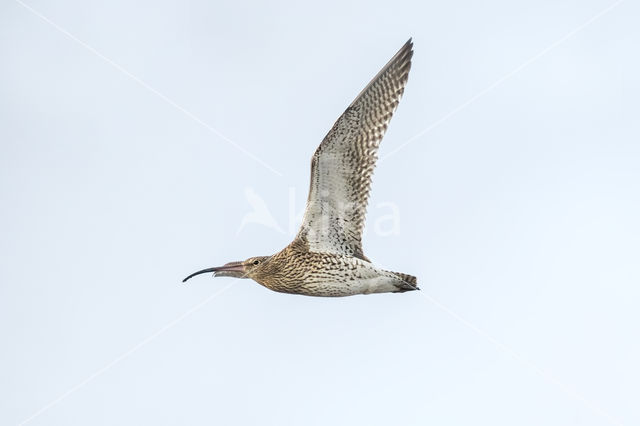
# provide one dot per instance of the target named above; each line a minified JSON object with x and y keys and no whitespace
{"x":379,"y":284}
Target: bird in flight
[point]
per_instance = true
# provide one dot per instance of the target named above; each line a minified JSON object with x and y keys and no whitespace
{"x":326,"y":258}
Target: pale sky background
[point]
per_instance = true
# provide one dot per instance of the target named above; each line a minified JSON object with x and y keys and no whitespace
{"x":519,"y":214}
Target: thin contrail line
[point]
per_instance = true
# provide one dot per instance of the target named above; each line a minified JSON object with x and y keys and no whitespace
{"x":504,"y":78}
{"x":148,"y":87}
{"x":125,"y":355}
{"x":518,"y":357}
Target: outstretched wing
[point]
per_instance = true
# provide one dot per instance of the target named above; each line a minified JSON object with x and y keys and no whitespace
{"x":343,"y":164}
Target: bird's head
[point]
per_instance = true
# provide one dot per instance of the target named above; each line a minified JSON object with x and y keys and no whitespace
{"x":244,"y":269}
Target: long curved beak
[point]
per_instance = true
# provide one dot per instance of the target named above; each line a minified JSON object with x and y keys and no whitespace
{"x":231,"y":269}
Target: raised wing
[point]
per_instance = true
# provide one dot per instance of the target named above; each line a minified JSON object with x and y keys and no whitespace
{"x":343,"y":164}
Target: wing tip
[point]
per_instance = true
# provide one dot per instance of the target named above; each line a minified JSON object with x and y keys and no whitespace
{"x":409,"y":42}
{"x":402,"y":59}
{"x":400,"y":63}
{"x":407,"y":48}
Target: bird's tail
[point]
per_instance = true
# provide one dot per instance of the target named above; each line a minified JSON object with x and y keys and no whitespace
{"x":409,"y":279}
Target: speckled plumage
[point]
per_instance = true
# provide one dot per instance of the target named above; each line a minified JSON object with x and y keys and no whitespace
{"x":326,"y":257}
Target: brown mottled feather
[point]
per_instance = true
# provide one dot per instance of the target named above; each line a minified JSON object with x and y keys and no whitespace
{"x":343,"y":164}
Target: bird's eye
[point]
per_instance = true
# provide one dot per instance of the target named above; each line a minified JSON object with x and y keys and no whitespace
{"x":256,"y":262}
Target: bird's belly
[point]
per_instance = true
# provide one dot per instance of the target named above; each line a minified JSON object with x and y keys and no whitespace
{"x":331,"y":288}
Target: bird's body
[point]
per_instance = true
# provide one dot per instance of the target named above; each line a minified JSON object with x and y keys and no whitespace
{"x":300,"y":271}
{"x":326,"y":257}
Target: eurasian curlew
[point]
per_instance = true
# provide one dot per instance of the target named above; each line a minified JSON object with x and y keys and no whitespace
{"x":326,"y":257}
